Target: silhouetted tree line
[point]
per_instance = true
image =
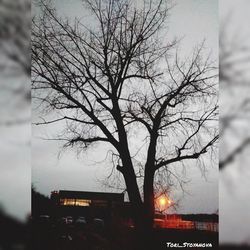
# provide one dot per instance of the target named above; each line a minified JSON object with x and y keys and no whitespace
{"x":17,"y":234}
{"x":40,"y":204}
{"x":13,"y":232}
{"x":201,"y":217}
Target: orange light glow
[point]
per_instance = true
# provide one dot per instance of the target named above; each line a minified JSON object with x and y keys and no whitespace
{"x":163,"y":201}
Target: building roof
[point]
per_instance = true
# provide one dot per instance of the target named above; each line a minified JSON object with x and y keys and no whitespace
{"x":91,"y":195}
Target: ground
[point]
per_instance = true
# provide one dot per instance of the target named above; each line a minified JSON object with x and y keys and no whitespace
{"x":113,"y":237}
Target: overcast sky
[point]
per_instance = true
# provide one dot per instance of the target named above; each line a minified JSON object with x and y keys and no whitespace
{"x":194,"y":20}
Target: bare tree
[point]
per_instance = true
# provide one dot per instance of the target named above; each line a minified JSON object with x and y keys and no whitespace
{"x":234,"y":82}
{"x":121,"y":77}
{"x":15,"y":97}
{"x":234,"y":121}
{"x":15,"y":34}
{"x":15,"y":24}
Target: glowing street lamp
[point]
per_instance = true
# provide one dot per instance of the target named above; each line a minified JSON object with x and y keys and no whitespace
{"x":164,"y":202}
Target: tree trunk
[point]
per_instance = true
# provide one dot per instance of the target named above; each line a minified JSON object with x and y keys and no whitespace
{"x":142,"y":215}
{"x":148,"y":192}
{"x":133,"y":194}
{"x":128,"y":169}
{"x":142,"y":212}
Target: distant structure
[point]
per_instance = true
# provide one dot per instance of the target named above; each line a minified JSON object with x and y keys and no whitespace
{"x":111,"y":207}
{"x":88,"y":204}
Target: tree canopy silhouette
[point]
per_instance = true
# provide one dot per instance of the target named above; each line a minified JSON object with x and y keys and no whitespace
{"x":121,"y":75}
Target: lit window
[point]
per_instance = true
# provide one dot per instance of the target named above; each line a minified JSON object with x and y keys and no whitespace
{"x":75,"y":202}
{"x":67,"y":202}
{"x":82,"y":203}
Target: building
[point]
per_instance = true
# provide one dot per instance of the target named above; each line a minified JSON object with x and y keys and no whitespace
{"x":112,"y":208}
{"x":87,"y":204}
